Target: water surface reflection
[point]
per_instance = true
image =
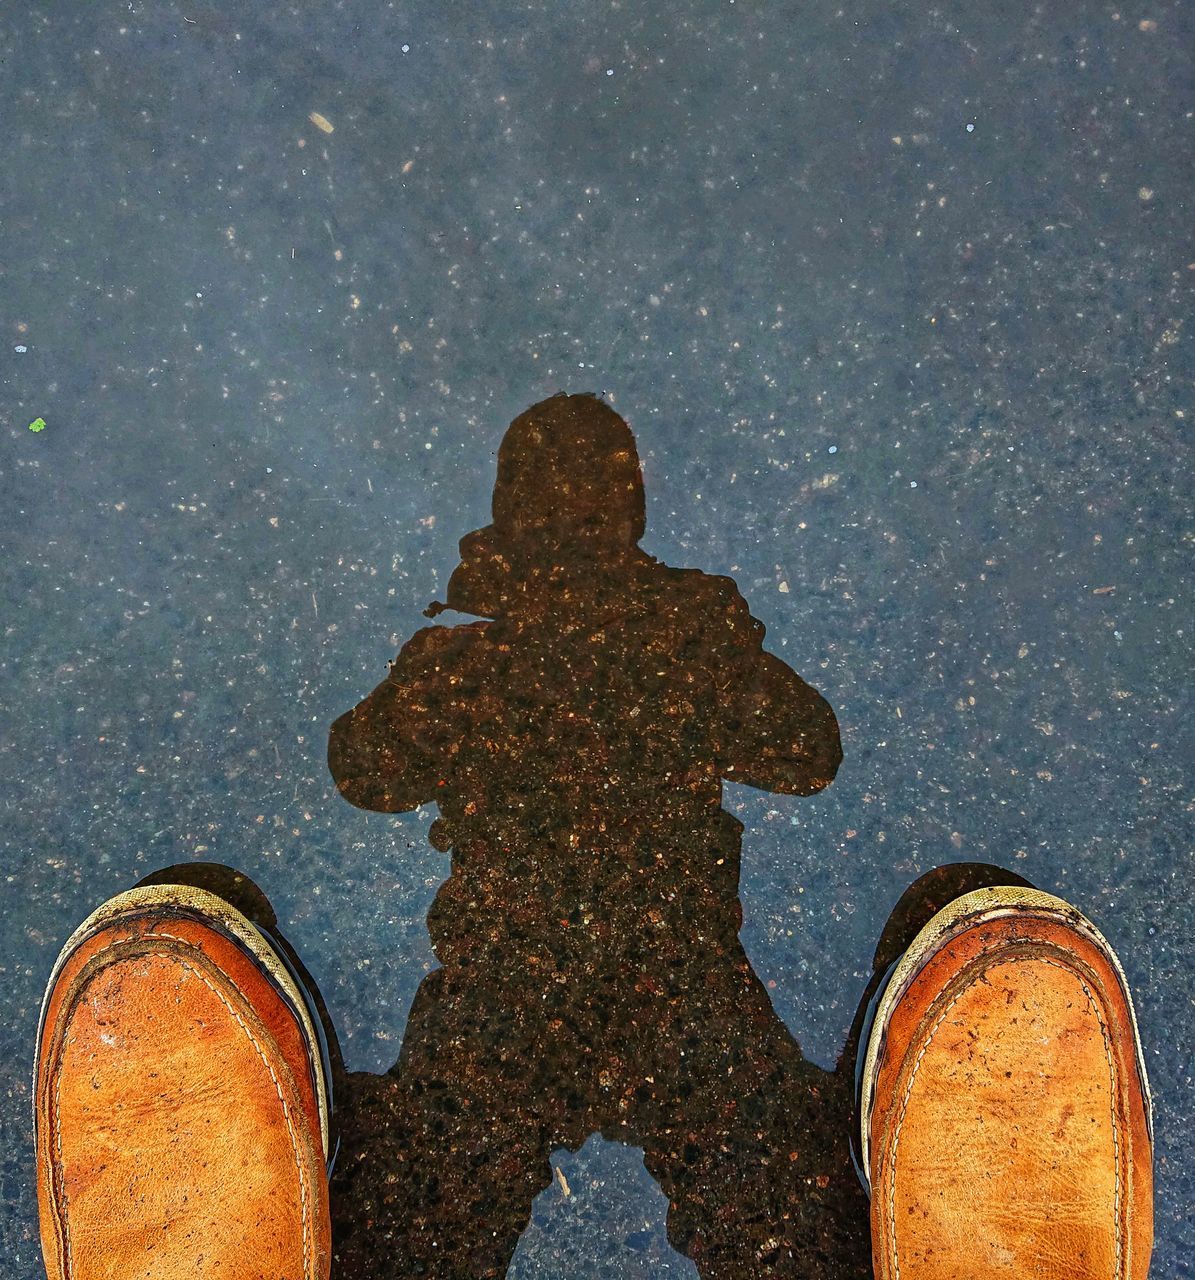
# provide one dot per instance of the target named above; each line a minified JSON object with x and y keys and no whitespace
{"x":575,"y":740}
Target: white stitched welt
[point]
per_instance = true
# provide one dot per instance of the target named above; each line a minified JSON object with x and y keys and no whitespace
{"x":917,"y":1065}
{"x":68,"y":1261}
{"x":308,"y":1244}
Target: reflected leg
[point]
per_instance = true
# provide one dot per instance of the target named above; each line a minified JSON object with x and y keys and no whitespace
{"x":442,"y":1157}
{"x":750,"y":1143}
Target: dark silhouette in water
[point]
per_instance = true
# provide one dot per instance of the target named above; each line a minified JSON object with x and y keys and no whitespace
{"x":575,"y":740}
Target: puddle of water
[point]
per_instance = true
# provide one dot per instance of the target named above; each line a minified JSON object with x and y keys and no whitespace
{"x":896,"y":310}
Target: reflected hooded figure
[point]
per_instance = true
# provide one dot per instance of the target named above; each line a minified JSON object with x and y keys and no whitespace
{"x":575,"y":740}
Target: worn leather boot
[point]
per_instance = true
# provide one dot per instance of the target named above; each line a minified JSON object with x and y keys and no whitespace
{"x":181,"y":1104}
{"x":1005,"y":1111}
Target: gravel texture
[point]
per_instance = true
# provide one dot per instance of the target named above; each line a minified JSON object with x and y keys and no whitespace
{"x":897,"y":302}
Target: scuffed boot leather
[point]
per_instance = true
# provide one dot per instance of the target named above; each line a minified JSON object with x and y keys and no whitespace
{"x":1005,"y":1107}
{"x":180,"y":1103}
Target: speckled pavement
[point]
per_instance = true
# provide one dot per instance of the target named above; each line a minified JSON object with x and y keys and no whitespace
{"x":897,"y":303}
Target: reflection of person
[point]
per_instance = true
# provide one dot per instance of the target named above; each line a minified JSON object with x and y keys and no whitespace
{"x":575,"y":743}
{"x":575,"y":740}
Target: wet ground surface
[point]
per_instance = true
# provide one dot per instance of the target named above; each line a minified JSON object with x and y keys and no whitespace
{"x":897,"y":305}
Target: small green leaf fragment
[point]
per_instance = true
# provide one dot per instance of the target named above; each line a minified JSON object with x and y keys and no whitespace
{"x":38,"y":424}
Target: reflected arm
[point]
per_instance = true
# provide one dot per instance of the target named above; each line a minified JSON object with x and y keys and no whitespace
{"x":779,"y":733}
{"x":388,"y":753}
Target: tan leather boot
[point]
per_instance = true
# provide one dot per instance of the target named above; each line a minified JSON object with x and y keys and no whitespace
{"x":180,"y":1101}
{"x":1005,"y":1111}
